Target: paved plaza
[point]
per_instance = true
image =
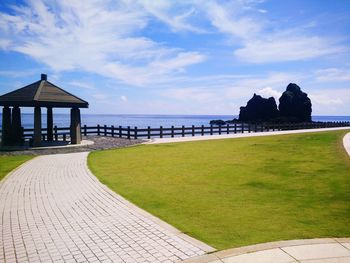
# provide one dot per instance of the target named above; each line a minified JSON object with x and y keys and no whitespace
{"x":54,"y":210}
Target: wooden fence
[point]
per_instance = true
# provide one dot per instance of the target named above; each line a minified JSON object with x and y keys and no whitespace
{"x":162,"y":132}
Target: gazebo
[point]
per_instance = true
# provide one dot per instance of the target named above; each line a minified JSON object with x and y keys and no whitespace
{"x":38,"y":94}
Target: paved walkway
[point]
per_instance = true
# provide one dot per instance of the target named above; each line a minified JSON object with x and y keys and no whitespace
{"x":237,"y":135}
{"x":54,"y":210}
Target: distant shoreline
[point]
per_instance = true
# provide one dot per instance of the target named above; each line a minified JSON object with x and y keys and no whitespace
{"x":144,"y":120}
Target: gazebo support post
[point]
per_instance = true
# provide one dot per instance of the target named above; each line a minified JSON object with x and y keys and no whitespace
{"x":75,"y":129}
{"x":6,"y":126}
{"x":49,"y":124}
{"x":16,"y":126}
{"x":37,"y":127}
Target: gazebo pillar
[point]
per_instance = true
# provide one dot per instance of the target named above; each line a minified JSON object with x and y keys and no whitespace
{"x":6,"y":126}
{"x":75,"y":128}
{"x":16,"y":126}
{"x":49,"y":124}
{"x":37,"y":127}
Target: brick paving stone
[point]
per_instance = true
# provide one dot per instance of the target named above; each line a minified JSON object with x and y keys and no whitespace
{"x":54,"y":210}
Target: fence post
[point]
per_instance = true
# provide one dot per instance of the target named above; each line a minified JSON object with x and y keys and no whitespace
{"x":128,"y":132}
{"x":192,"y":130}
{"x":219,"y":129}
{"x":211,"y":129}
{"x":98,"y":129}
{"x":262,"y":127}
{"x":172,"y":131}
{"x":228,"y":129}
{"x":235,"y":128}
{"x":149,"y":132}
{"x":202,"y":130}
{"x":56,"y":135}
{"x":255,"y":127}
{"x":85,"y":130}
{"x":183,"y":131}
{"x":112,"y":130}
{"x":161,"y":132}
{"x":135,"y":133}
{"x":105,"y":130}
{"x":242,"y":127}
{"x":64,"y":137}
{"x":249,"y":129}
{"x":120,"y":131}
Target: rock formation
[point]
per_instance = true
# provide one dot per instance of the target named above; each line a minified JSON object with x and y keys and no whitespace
{"x":217,"y":122}
{"x":259,"y":109}
{"x":295,"y":105}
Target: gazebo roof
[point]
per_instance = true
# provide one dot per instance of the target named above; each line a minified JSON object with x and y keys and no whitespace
{"x":43,"y":94}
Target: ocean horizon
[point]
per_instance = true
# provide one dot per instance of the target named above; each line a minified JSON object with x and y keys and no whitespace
{"x":144,"y":120}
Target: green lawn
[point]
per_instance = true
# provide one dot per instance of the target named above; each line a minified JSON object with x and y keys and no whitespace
{"x":236,"y":192}
{"x":8,"y":163}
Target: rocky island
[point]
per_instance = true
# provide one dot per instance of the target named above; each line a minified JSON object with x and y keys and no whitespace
{"x":294,"y":106}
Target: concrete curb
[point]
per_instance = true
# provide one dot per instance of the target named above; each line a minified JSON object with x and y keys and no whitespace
{"x":226,"y":254}
{"x":346,"y":143}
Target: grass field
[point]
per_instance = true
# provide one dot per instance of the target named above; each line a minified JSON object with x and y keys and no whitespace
{"x":8,"y":163}
{"x":236,"y":192}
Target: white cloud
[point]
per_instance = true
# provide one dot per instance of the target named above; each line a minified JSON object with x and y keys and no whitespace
{"x":231,"y":91}
{"x":286,"y":48}
{"x":124,"y":98}
{"x":263,"y":41}
{"x":270,"y":92}
{"x":169,"y":13}
{"x":275,"y":80}
{"x":332,"y":75}
{"x":81,"y":84}
{"x":97,"y":36}
{"x":330,"y":101}
{"x":17,"y":73}
{"x":324,"y":99}
{"x":229,"y":20}
{"x":99,"y":96}
{"x":190,"y":94}
{"x":5,"y":43}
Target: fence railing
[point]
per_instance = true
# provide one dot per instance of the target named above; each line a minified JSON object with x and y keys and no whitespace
{"x":62,"y":133}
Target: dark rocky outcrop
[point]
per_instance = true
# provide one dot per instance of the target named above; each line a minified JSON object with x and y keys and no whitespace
{"x":295,"y":105}
{"x":259,"y":109}
{"x":217,"y":122}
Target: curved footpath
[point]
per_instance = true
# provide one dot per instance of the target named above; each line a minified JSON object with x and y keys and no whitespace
{"x":54,"y":210}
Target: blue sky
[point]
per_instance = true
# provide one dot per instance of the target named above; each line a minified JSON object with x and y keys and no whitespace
{"x":179,"y":57}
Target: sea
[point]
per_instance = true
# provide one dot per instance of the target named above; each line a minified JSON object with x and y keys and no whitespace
{"x":143,"y":121}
